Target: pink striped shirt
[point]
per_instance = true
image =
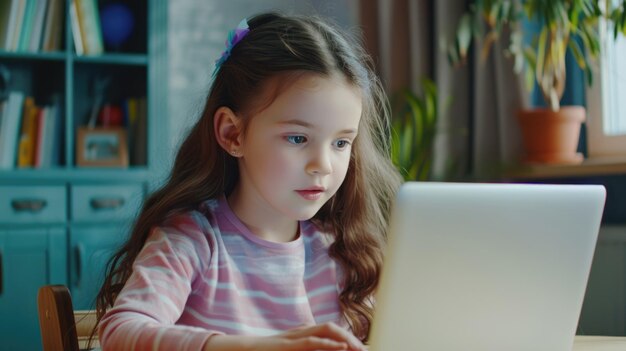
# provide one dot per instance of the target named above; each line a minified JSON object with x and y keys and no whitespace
{"x":204,"y":272}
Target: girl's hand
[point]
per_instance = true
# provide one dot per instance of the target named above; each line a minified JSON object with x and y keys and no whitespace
{"x":328,"y":336}
{"x":322,"y":337}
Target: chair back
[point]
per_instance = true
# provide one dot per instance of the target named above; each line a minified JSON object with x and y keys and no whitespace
{"x":62,"y":328}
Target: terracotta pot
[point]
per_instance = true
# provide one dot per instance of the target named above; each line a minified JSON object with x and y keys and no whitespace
{"x":552,"y":137}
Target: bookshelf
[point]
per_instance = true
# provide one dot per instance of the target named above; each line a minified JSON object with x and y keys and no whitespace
{"x":76,"y":212}
{"x":71,"y":80}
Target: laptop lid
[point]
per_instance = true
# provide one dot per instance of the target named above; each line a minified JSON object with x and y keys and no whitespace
{"x":486,"y":266}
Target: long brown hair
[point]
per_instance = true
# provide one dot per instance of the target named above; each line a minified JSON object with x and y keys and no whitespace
{"x":357,"y":215}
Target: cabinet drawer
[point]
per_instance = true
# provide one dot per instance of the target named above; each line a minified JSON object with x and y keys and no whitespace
{"x":91,"y":203}
{"x":33,"y":204}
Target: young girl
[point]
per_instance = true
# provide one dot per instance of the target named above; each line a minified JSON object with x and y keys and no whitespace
{"x":268,"y":234}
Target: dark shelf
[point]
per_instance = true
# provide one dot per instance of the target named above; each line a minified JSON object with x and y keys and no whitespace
{"x":114,"y":59}
{"x":42,"y":56}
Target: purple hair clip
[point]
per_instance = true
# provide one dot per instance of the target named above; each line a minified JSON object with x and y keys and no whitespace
{"x":234,"y":37}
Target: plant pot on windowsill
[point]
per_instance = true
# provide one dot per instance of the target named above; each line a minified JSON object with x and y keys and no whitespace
{"x":540,"y":33}
{"x":551,"y":137}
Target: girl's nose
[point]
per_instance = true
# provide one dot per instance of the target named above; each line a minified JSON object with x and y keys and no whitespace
{"x":319,"y":163}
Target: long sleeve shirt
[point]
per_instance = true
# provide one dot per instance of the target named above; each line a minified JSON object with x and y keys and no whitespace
{"x":204,"y":272}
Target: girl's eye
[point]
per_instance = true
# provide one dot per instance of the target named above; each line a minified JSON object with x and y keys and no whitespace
{"x":296,"y":139}
{"x":342,"y":144}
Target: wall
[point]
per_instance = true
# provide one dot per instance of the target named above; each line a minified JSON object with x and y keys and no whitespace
{"x":197,"y":31}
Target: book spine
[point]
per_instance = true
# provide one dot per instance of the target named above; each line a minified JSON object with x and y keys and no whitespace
{"x":19,"y":20}
{"x":11,"y":129}
{"x":52,"y":30}
{"x":27,"y":137}
{"x":57,"y":132}
{"x":5,"y":19}
{"x":77,"y":36}
{"x":27,"y":25}
{"x":40,"y":138}
{"x":49,"y":137}
{"x":38,"y":25}
{"x":90,"y":26}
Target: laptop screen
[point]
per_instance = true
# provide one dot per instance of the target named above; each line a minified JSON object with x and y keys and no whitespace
{"x":486,"y":266}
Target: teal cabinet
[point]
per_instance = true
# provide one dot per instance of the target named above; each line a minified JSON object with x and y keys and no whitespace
{"x":29,"y":258}
{"x":62,"y":216}
{"x":104,"y":203}
{"x":32,"y":204}
{"x":90,"y":250}
{"x":100,"y":220}
{"x":57,"y":234}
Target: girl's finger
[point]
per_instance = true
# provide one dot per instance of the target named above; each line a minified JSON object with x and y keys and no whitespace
{"x":332,"y":331}
{"x":313,"y":343}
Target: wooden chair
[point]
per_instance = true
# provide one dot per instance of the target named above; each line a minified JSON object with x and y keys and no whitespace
{"x":62,"y":328}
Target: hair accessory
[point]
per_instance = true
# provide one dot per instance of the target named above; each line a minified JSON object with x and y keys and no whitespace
{"x":234,"y":37}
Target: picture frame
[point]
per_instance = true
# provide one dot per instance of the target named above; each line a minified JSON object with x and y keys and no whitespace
{"x":101,"y":147}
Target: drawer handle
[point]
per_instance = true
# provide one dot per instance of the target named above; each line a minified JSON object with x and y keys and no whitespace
{"x":106,"y":203}
{"x":29,"y":205}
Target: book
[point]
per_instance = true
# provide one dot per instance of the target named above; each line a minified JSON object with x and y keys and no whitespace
{"x":56,"y":126}
{"x":130,"y":118}
{"x":89,"y":19}
{"x":5,"y":18}
{"x":76,"y":34}
{"x":17,"y":22}
{"x":26,"y":145}
{"x":10,"y":129}
{"x":40,"y":135}
{"x":49,"y":135}
{"x":38,"y":25}
{"x":27,"y":25}
{"x":53,"y":27}
{"x":49,"y":138}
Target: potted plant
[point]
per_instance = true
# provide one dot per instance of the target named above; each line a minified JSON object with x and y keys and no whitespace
{"x":550,"y":135}
{"x":413,"y":131}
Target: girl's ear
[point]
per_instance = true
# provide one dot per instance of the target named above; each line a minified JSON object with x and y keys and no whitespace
{"x":228,"y":130}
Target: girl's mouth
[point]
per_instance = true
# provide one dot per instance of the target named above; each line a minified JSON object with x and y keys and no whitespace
{"x":310,"y":194}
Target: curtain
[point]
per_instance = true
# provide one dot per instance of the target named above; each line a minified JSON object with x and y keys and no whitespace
{"x":477,"y":128}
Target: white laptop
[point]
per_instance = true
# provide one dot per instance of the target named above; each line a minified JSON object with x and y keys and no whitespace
{"x":486,"y":267}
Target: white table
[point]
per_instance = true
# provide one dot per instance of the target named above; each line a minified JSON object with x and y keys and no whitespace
{"x":599,"y":343}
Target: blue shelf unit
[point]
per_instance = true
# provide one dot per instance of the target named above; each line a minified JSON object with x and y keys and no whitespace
{"x":60,"y":223}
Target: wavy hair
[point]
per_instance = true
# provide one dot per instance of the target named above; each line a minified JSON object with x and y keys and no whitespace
{"x":357,"y":215}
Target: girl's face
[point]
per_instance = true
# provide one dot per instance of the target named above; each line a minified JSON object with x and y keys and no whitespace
{"x":296,"y":152}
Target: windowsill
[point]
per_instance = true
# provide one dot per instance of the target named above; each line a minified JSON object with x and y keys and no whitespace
{"x":597,"y":166}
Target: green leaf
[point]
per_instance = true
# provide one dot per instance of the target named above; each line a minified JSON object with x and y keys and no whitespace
{"x":413,"y":131}
{"x":416,"y":109}
{"x":589,"y":74}
{"x":622,"y":23}
{"x":578,"y":54}
{"x":430,"y":95}
{"x":529,"y":79}
{"x":531,"y":57}
{"x":464,"y":34}
{"x":574,"y":13}
{"x":453,"y":55}
{"x":541,"y":51}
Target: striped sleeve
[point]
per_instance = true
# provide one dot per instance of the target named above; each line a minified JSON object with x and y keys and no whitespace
{"x":152,"y":300}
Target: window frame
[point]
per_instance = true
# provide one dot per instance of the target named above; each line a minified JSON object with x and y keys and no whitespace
{"x":600,"y":144}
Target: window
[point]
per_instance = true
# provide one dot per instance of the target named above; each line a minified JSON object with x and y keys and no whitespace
{"x":606,"y":103}
{"x":616,"y":118}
